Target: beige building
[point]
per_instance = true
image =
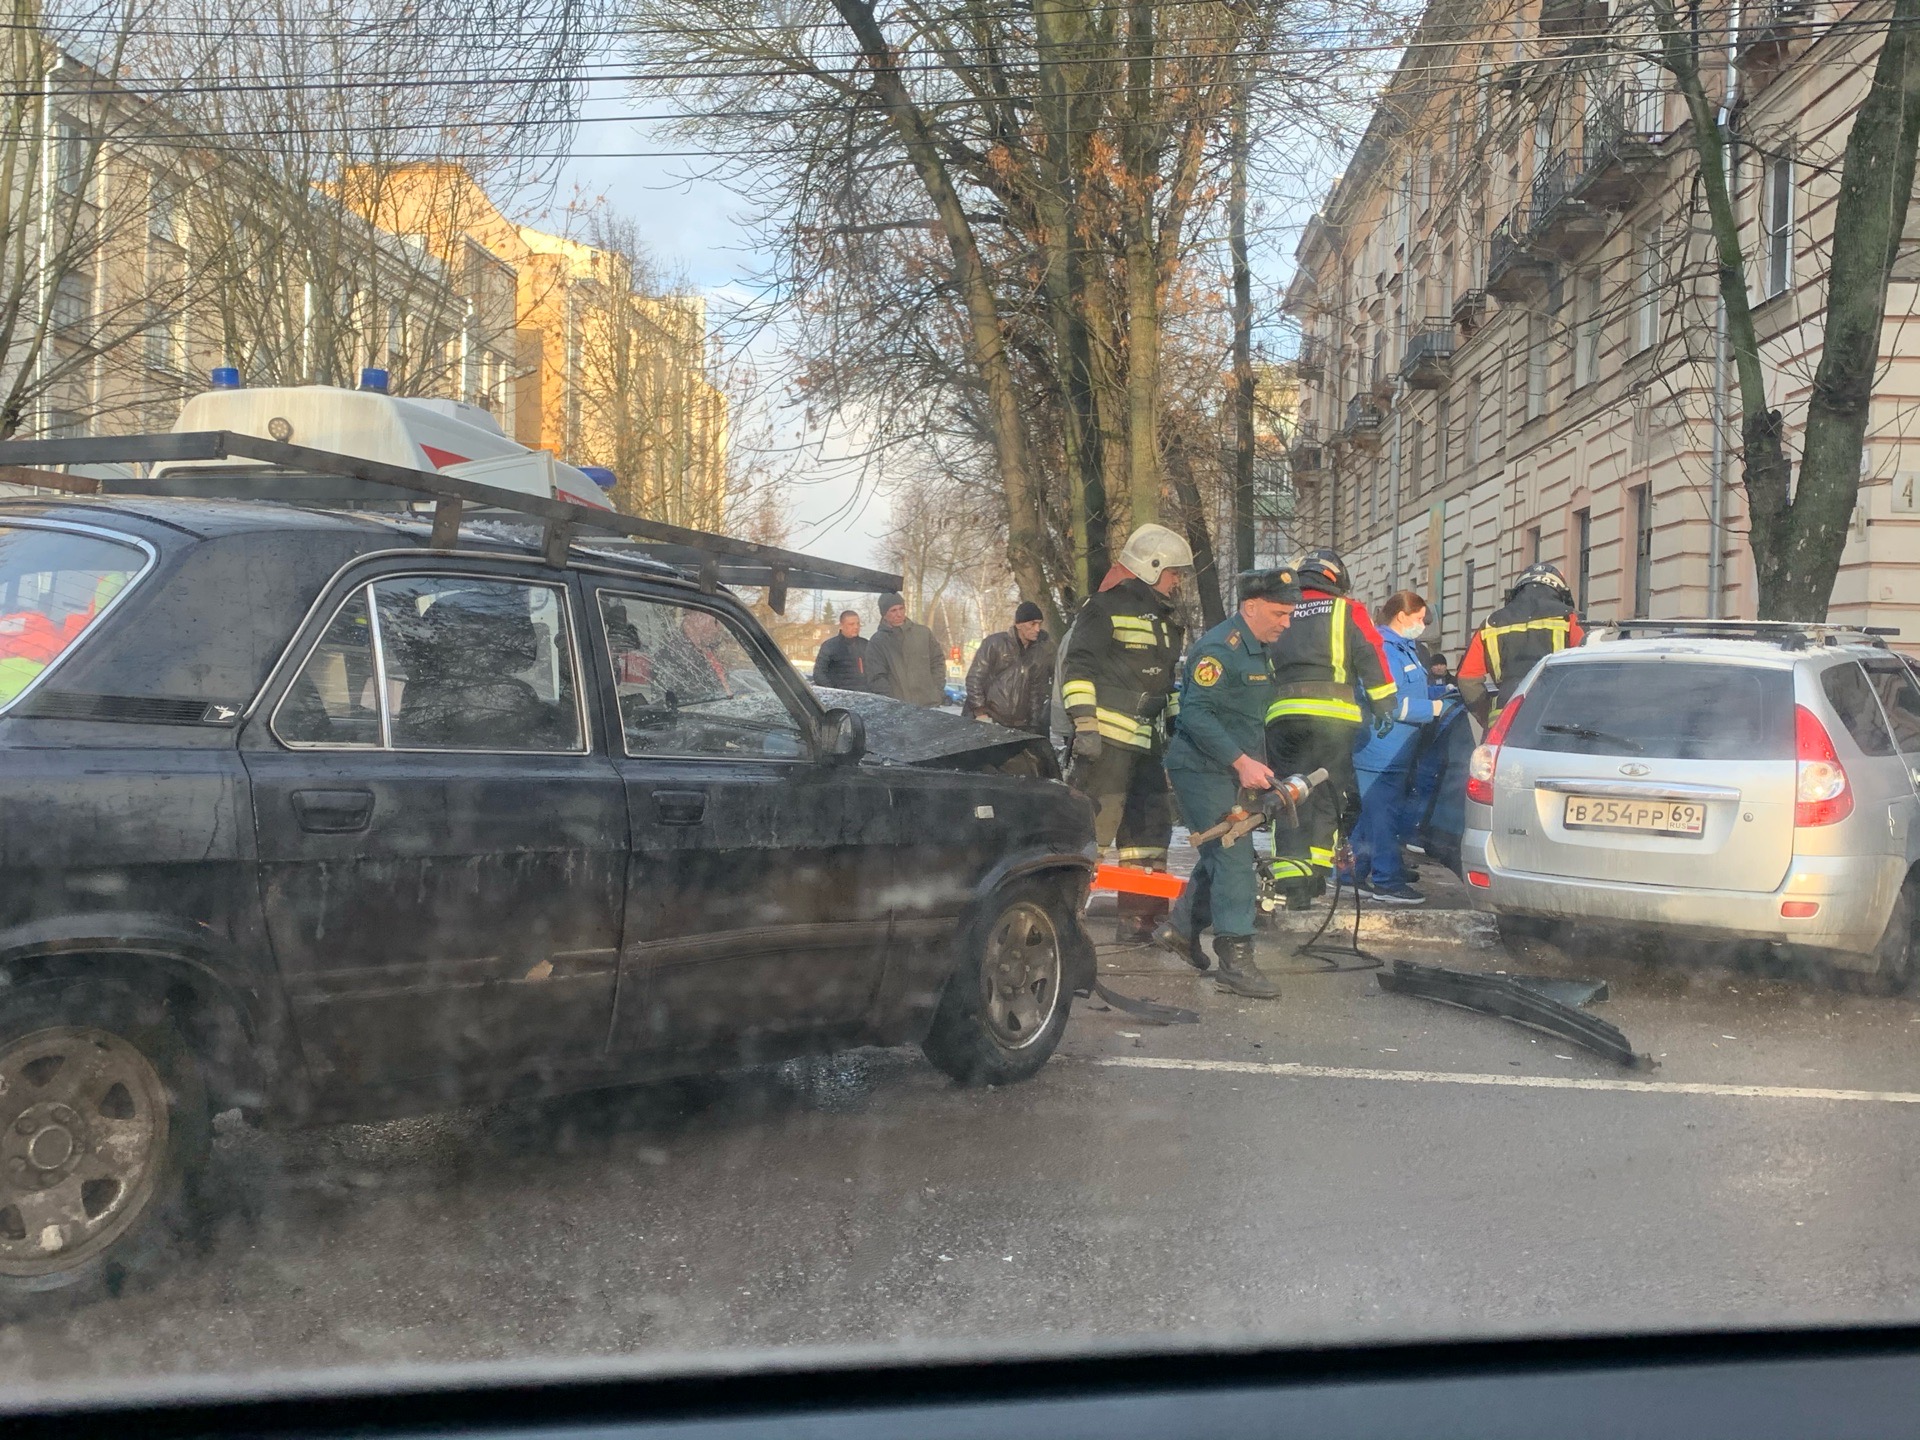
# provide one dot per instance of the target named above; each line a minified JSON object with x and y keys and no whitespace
{"x":1508,"y":319}
{"x":145,"y":271}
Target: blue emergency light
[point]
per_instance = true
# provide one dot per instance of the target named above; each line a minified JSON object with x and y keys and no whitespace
{"x":373,"y":378}
{"x":600,"y":475}
{"x":225,"y":377}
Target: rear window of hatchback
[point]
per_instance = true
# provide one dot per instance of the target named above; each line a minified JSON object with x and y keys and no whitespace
{"x":1678,"y":709}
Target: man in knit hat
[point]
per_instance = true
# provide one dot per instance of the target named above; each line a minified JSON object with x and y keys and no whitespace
{"x":1011,"y":679}
{"x":904,"y":660}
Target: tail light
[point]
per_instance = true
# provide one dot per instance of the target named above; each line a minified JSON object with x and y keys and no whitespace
{"x":1821,"y":792}
{"x":1486,"y":756}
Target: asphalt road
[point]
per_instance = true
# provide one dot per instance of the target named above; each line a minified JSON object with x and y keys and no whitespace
{"x":1341,"y":1163}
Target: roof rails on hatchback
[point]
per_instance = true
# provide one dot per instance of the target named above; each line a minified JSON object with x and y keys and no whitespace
{"x":321,"y":479}
{"x":1787,"y":634}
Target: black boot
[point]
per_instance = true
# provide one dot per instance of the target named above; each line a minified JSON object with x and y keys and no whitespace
{"x":1237,"y":971}
{"x":1187,"y":947}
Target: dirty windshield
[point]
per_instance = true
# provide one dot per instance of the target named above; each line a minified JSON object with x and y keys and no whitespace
{"x":687,"y":678}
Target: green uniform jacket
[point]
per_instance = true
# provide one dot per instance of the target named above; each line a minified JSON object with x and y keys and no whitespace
{"x":1223,"y":706}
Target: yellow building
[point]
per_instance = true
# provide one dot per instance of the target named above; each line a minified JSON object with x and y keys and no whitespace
{"x":555,"y":339}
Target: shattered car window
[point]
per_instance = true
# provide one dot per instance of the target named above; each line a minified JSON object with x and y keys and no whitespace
{"x":688,"y":686}
{"x":53,"y":585}
{"x":474,"y":664}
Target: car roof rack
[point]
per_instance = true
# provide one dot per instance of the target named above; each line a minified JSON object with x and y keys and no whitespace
{"x":1787,"y":634}
{"x":321,"y":479}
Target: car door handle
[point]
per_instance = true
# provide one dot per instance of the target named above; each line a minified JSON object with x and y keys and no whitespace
{"x":680,"y":807}
{"x":333,"y":812}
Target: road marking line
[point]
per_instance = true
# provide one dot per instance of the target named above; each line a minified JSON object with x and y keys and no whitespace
{"x":1283,"y":1070}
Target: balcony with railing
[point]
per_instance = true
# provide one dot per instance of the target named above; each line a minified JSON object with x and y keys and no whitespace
{"x":1429,"y":359}
{"x":1469,"y":309}
{"x":1768,"y":28}
{"x":1574,"y":24}
{"x":1305,"y":453}
{"x":1365,"y":420}
{"x":1623,"y":135}
{"x":1515,"y":271}
{"x":1564,"y":223}
{"x":1312,"y":362}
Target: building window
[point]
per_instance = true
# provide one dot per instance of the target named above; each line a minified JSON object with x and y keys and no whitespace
{"x":1582,"y":557}
{"x":1442,"y":438}
{"x":1536,"y":366}
{"x":1777,"y":218}
{"x":1642,"y":504}
{"x":1466,"y":610}
{"x":1416,"y":457}
{"x":70,"y":157}
{"x":1533,"y":545}
{"x":1586,"y":350}
{"x":1473,"y":421}
{"x":1646,"y":287}
{"x":165,"y":345}
{"x":73,"y":301}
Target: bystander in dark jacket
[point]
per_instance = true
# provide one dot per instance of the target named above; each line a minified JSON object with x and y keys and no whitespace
{"x":842,"y":661}
{"x":1011,"y":679}
{"x":905,"y":660}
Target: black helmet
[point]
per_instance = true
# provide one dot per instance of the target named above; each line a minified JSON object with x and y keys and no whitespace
{"x":1324,"y":570}
{"x":1541,"y":573}
{"x":1277,"y":584}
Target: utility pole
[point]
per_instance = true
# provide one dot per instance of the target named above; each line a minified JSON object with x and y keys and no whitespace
{"x":1243,"y":498}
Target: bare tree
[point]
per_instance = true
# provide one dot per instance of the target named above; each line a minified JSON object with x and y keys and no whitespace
{"x":343,"y":149}
{"x":1798,"y":531}
{"x":89,"y":287}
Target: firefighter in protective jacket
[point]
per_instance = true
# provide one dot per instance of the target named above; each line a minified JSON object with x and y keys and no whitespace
{"x":1537,"y":620}
{"x":1116,"y":684}
{"x":1331,"y":670}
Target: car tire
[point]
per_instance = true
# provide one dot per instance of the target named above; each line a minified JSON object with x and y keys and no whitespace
{"x":1005,"y":1006}
{"x":104,"y":1135}
{"x":1894,"y":958}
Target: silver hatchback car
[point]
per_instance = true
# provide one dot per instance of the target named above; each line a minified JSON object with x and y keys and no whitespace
{"x":1727,"y":781}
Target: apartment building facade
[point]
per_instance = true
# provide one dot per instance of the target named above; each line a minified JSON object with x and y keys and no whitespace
{"x":1509,"y":349}
{"x":145,"y":260}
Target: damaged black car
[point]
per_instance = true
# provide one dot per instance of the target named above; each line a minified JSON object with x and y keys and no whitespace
{"x":304,"y":813}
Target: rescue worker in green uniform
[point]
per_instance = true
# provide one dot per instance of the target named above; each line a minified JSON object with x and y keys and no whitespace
{"x":1116,"y":685}
{"x":1218,"y":751}
{"x":1332,"y":671}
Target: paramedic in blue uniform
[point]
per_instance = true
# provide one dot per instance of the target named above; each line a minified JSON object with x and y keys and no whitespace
{"x":1218,"y":750}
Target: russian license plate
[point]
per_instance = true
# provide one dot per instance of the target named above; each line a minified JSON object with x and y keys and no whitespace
{"x":1651,"y":817}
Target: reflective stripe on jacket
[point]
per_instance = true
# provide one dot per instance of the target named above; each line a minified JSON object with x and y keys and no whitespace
{"x":1328,"y":654}
{"x":1533,"y":624}
{"x":1117,"y":663}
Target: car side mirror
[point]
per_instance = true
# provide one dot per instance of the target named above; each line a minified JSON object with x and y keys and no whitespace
{"x":842,"y":736}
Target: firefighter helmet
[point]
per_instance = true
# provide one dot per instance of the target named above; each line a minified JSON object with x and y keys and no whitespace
{"x":1541,"y":573}
{"x":1324,"y":570}
{"x":1154,"y":548}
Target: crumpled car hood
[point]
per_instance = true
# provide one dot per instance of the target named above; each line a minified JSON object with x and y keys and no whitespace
{"x":915,"y":735}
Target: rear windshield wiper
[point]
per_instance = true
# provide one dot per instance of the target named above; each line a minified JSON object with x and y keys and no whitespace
{"x":1587,"y":732}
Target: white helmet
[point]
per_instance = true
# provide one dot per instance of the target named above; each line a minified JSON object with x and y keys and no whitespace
{"x":1153,"y":548}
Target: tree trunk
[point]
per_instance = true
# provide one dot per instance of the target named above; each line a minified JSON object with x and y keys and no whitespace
{"x":1876,"y":184}
{"x":1059,"y":201}
{"x":986,"y":340}
{"x":1797,"y":534}
{"x":1143,"y":268}
{"x":1243,"y":499}
{"x":1193,"y":516}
